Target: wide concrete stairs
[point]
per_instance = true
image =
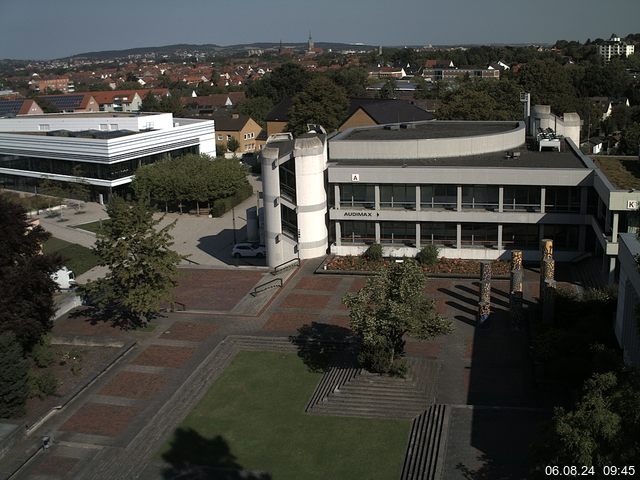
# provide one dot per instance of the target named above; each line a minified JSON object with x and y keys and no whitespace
{"x":356,"y":393}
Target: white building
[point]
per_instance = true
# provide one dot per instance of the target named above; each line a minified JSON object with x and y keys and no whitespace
{"x":102,"y":150}
{"x":614,"y":47}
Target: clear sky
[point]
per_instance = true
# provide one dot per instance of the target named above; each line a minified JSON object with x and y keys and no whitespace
{"x":43,"y":29}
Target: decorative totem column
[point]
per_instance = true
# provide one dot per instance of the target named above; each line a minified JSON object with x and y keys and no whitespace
{"x":484,"y":304}
{"x":516,"y":289}
{"x":547,"y":280}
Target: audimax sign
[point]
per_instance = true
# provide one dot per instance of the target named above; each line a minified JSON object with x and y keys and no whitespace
{"x":360,"y":214}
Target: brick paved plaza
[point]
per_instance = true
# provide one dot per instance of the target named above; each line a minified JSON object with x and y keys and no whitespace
{"x":114,"y":427}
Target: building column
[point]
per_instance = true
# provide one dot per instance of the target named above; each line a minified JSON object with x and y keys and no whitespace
{"x":540,"y":231}
{"x":377,"y":232}
{"x":376,"y":196}
{"x":614,"y":227}
{"x":499,"y":236}
{"x":418,"y":199}
{"x":607,"y":220}
{"x":459,"y":198}
{"x":582,"y":237}
{"x":584,"y":192}
{"x":338,"y":234}
{"x":336,"y":194}
{"x":612,"y":270}
{"x":543,"y":199}
{"x":500,"y":199}
{"x":458,"y":236}
{"x":418,"y":236}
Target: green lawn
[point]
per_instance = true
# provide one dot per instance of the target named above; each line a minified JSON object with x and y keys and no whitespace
{"x":74,"y":257}
{"x":92,"y":226}
{"x":253,"y":418}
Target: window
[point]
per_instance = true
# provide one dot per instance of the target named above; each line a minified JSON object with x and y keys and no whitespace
{"x":43,"y":127}
{"x":398,"y":196}
{"x":356,"y":195}
{"x":228,"y":137}
{"x":522,"y":199}
{"x":441,"y":234}
{"x":358,"y":232}
{"x":439,"y":196}
{"x":521,"y":236}
{"x":220,"y":137}
{"x":104,"y":126}
{"x":562,"y":199}
{"x":398,"y":233}
{"x":113,"y":126}
{"x":479,"y":235}
{"x":565,"y":237}
{"x":480,"y":197}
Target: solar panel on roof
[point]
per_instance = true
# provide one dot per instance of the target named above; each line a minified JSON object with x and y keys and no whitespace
{"x":8,"y":107}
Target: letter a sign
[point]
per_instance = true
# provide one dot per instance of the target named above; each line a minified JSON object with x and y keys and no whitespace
{"x":355,"y":177}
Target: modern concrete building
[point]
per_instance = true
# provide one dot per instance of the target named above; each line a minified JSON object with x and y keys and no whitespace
{"x":102,"y":150}
{"x":474,"y":189}
{"x":627,"y":324}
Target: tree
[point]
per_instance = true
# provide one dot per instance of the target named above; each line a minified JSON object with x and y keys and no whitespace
{"x":630,"y":142}
{"x":150,"y":103}
{"x":322,"y":102}
{"x":390,"y":305}
{"x":26,"y":303}
{"x":257,"y":108}
{"x":285,"y":81}
{"x":142,"y":266}
{"x":481,"y":100}
{"x":233,"y":145}
{"x":14,"y":380}
{"x":549,"y":84}
{"x":389,"y":89}
{"x":602,"y":429}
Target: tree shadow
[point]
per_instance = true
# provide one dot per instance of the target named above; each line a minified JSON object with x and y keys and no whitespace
{"x":322,"y":346}
{"x":117,"y":318}
{"x":194,"y":457}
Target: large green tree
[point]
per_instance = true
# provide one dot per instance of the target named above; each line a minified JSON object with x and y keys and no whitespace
{"x":477,"y":99}
{"x":26,"y":299}
{"x":391,"y":305}
{"x":602,"y":429}
{"x":14,"y":380}
{"x":322,"y":102}
{"x":285,"y":81}
{"x":549,"y":83}
{"x":142,"y":265}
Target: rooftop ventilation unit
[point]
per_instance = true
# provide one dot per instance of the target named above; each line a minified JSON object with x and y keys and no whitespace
{"x":392,"y":127}
{"x":409,"y":126}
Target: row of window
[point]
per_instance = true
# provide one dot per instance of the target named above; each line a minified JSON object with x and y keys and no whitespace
{"x":485,"y":197}
{"x":476,"y":235}
{"x":75,"y":168}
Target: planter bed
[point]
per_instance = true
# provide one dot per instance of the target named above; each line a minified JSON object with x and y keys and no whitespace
{"x":445,"y":268}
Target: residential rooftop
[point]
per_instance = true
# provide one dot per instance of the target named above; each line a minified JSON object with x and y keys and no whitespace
{"x":622,"y":172}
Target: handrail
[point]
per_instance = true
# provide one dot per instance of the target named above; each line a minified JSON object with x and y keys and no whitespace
{"x":285,"y":265}
{"x":273,"y":283}
{"x":190,"y":261}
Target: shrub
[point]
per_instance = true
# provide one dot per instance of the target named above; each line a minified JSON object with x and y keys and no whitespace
{"x":42,"y":355}
{"x":44,"y":385}
{"x":428,"y":255}
{"x":14,"y":385}
{"x":374,"y":253}
{"x":223,"y":205}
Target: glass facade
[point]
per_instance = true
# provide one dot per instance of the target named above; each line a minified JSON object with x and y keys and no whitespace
{"x":565,"y":237}
{"x":357,"y":195}
{"x":520,"y":236}
{"x":76,"y":168}
{"x":524,"y":199}
{"x":562,"y":199}
{"x":358,"y":233}
{"x":479,"y":235}
{"x":480,"y":197}
{"x":398,"y":233}
{"x":438,"y":196}
{"x":398,"y":196}
{"x":289,"y":222}
{"x":441,"y":234}
{"x":288,"y":180}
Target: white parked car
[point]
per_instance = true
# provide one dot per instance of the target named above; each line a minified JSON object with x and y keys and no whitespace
{"x":64,"y":278}
{"x":248,"y":250}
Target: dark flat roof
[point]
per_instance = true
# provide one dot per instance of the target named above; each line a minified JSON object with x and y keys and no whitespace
{"x":440,"y":129}
{"x":527,"y":159}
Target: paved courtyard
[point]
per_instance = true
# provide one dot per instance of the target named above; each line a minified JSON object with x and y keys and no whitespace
{"x":115,"y":427}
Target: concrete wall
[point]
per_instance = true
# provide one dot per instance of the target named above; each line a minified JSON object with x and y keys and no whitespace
{"x":429,"y":147}
{"x":626,"y":326}
{"x":77,"y":122}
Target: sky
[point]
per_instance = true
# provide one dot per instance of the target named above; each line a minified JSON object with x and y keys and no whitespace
{"x":46,"y":29}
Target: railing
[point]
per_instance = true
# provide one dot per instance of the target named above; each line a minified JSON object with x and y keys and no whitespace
{"x":294,"y":262}
{"x":190,"y":261}
{"x":273,"y":283}
{"x":182,"y":306}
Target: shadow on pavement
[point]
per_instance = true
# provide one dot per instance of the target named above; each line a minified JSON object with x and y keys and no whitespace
{"x":194,"y":457}
{"x":219,"y":246}
{"x":322,"y":346}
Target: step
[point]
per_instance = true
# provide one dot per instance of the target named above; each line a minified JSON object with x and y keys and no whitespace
{"x":386,"y":405}
{"x":353,"y":391}
{"x":368,"y":413}
{"x":426,"y":441}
